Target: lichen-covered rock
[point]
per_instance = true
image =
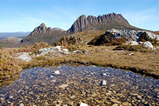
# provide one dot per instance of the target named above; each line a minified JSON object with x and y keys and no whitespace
{"x":23,"y":56}
{"x":131,"y":34}
{"x":118,"y":37}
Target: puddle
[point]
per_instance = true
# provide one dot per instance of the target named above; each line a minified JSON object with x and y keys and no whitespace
{"x":71,"y":85}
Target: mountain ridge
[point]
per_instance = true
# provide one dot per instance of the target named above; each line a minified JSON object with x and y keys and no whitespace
{"x":108,"y":21}
{"x":105,"y":22}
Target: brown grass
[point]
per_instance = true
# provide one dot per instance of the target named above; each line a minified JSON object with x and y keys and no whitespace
{"x":138,"y":62}
{"x":87,"y":36}
{"x":141,"y":62}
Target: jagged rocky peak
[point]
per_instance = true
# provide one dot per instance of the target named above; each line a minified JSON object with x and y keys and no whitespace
{"x":79,"y":24}
{"x":104,"y":22}
{"x":42,"y":29}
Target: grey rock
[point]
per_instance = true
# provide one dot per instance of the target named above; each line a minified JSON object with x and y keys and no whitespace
{"x":130,"y":34}
{"x":115,"y":105}
{"x":148,"y":45}
{"x":104,"y":82}
{"x":104,"y":22}
{"x":21,"y":104}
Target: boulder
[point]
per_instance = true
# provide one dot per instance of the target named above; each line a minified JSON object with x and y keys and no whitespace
{"x":24,"y":56}
{"x":104,"y":82}
{"x":83,"y":104}
{"x":134,"y":43}
{"x":148,"y":45}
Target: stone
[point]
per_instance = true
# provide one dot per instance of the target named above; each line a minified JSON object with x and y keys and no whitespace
{"x":115,"y":105}
{"x":21,"y":104}
{"x":104,"y":74}
{"x":139,"y":97}
{"x":127,"y":104}
{"x":104,"y":82}
{"x":70,"y":103}
{"x":57,"y":72}
{"x":63,"y":86}
{"x":131,"y":54}
{"x":132,"y":37}
{"x":73,"y":97}
{"x":148,"y":45}
{"x":134,"y":43}
{"x":54,"y":73}
{"x":83,"y":104}
{"x":56,"y":49}
{"x":23,"y":56}
{"x":115,"y":101}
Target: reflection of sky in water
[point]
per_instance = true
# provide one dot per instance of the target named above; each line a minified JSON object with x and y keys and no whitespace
{"x":38,"y":86}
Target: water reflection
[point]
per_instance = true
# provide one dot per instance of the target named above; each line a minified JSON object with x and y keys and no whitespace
{"x":76,"y":84}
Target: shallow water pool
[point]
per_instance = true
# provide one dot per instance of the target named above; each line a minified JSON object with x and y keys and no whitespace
{"x":80,"y":84}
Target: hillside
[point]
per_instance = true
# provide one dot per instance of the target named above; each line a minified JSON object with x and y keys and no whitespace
{"x":156,"y":32}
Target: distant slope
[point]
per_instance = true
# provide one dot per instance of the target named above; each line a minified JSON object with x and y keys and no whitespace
{"x":10,"y":42}
{"x":43,"y":34}
{"x":155,"y":32}
{"x":105,"y":22}
{"x":13,"y":34}
{"x":59,"y":29}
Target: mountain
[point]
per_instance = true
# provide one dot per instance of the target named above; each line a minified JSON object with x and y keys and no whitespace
{"x":59,"y":29}
{"x":83,"y":23}
{"x":43,"y":34}
{"x":105,"y":22}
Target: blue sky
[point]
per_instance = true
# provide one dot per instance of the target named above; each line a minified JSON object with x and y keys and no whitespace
{"x":25,"y":15}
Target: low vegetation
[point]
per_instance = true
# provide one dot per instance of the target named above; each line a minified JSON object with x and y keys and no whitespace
{"x":145,"y":37}
{"x":9,"y":65}
{"x":136,"y":48}
{"x":107,"y":40}
{"x":67,"y":41}
{"x":132,"y":58}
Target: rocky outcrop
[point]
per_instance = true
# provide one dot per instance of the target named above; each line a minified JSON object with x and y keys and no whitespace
{"x":118,"y":37}
{"x":104,"y":22}
{"x":148,"y":45}
{"x":132,"y":35}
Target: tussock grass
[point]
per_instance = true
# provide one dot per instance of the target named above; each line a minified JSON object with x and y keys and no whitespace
{"x":141,"y":62}
{"x":136,"y":48}
{"x":106,"y":56}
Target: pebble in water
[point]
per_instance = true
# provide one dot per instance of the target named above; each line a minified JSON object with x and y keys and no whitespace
{"x":80,"y":84}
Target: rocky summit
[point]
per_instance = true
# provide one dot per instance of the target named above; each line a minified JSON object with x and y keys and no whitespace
{"x":44,"y":34}
{"x":105,"y":22}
